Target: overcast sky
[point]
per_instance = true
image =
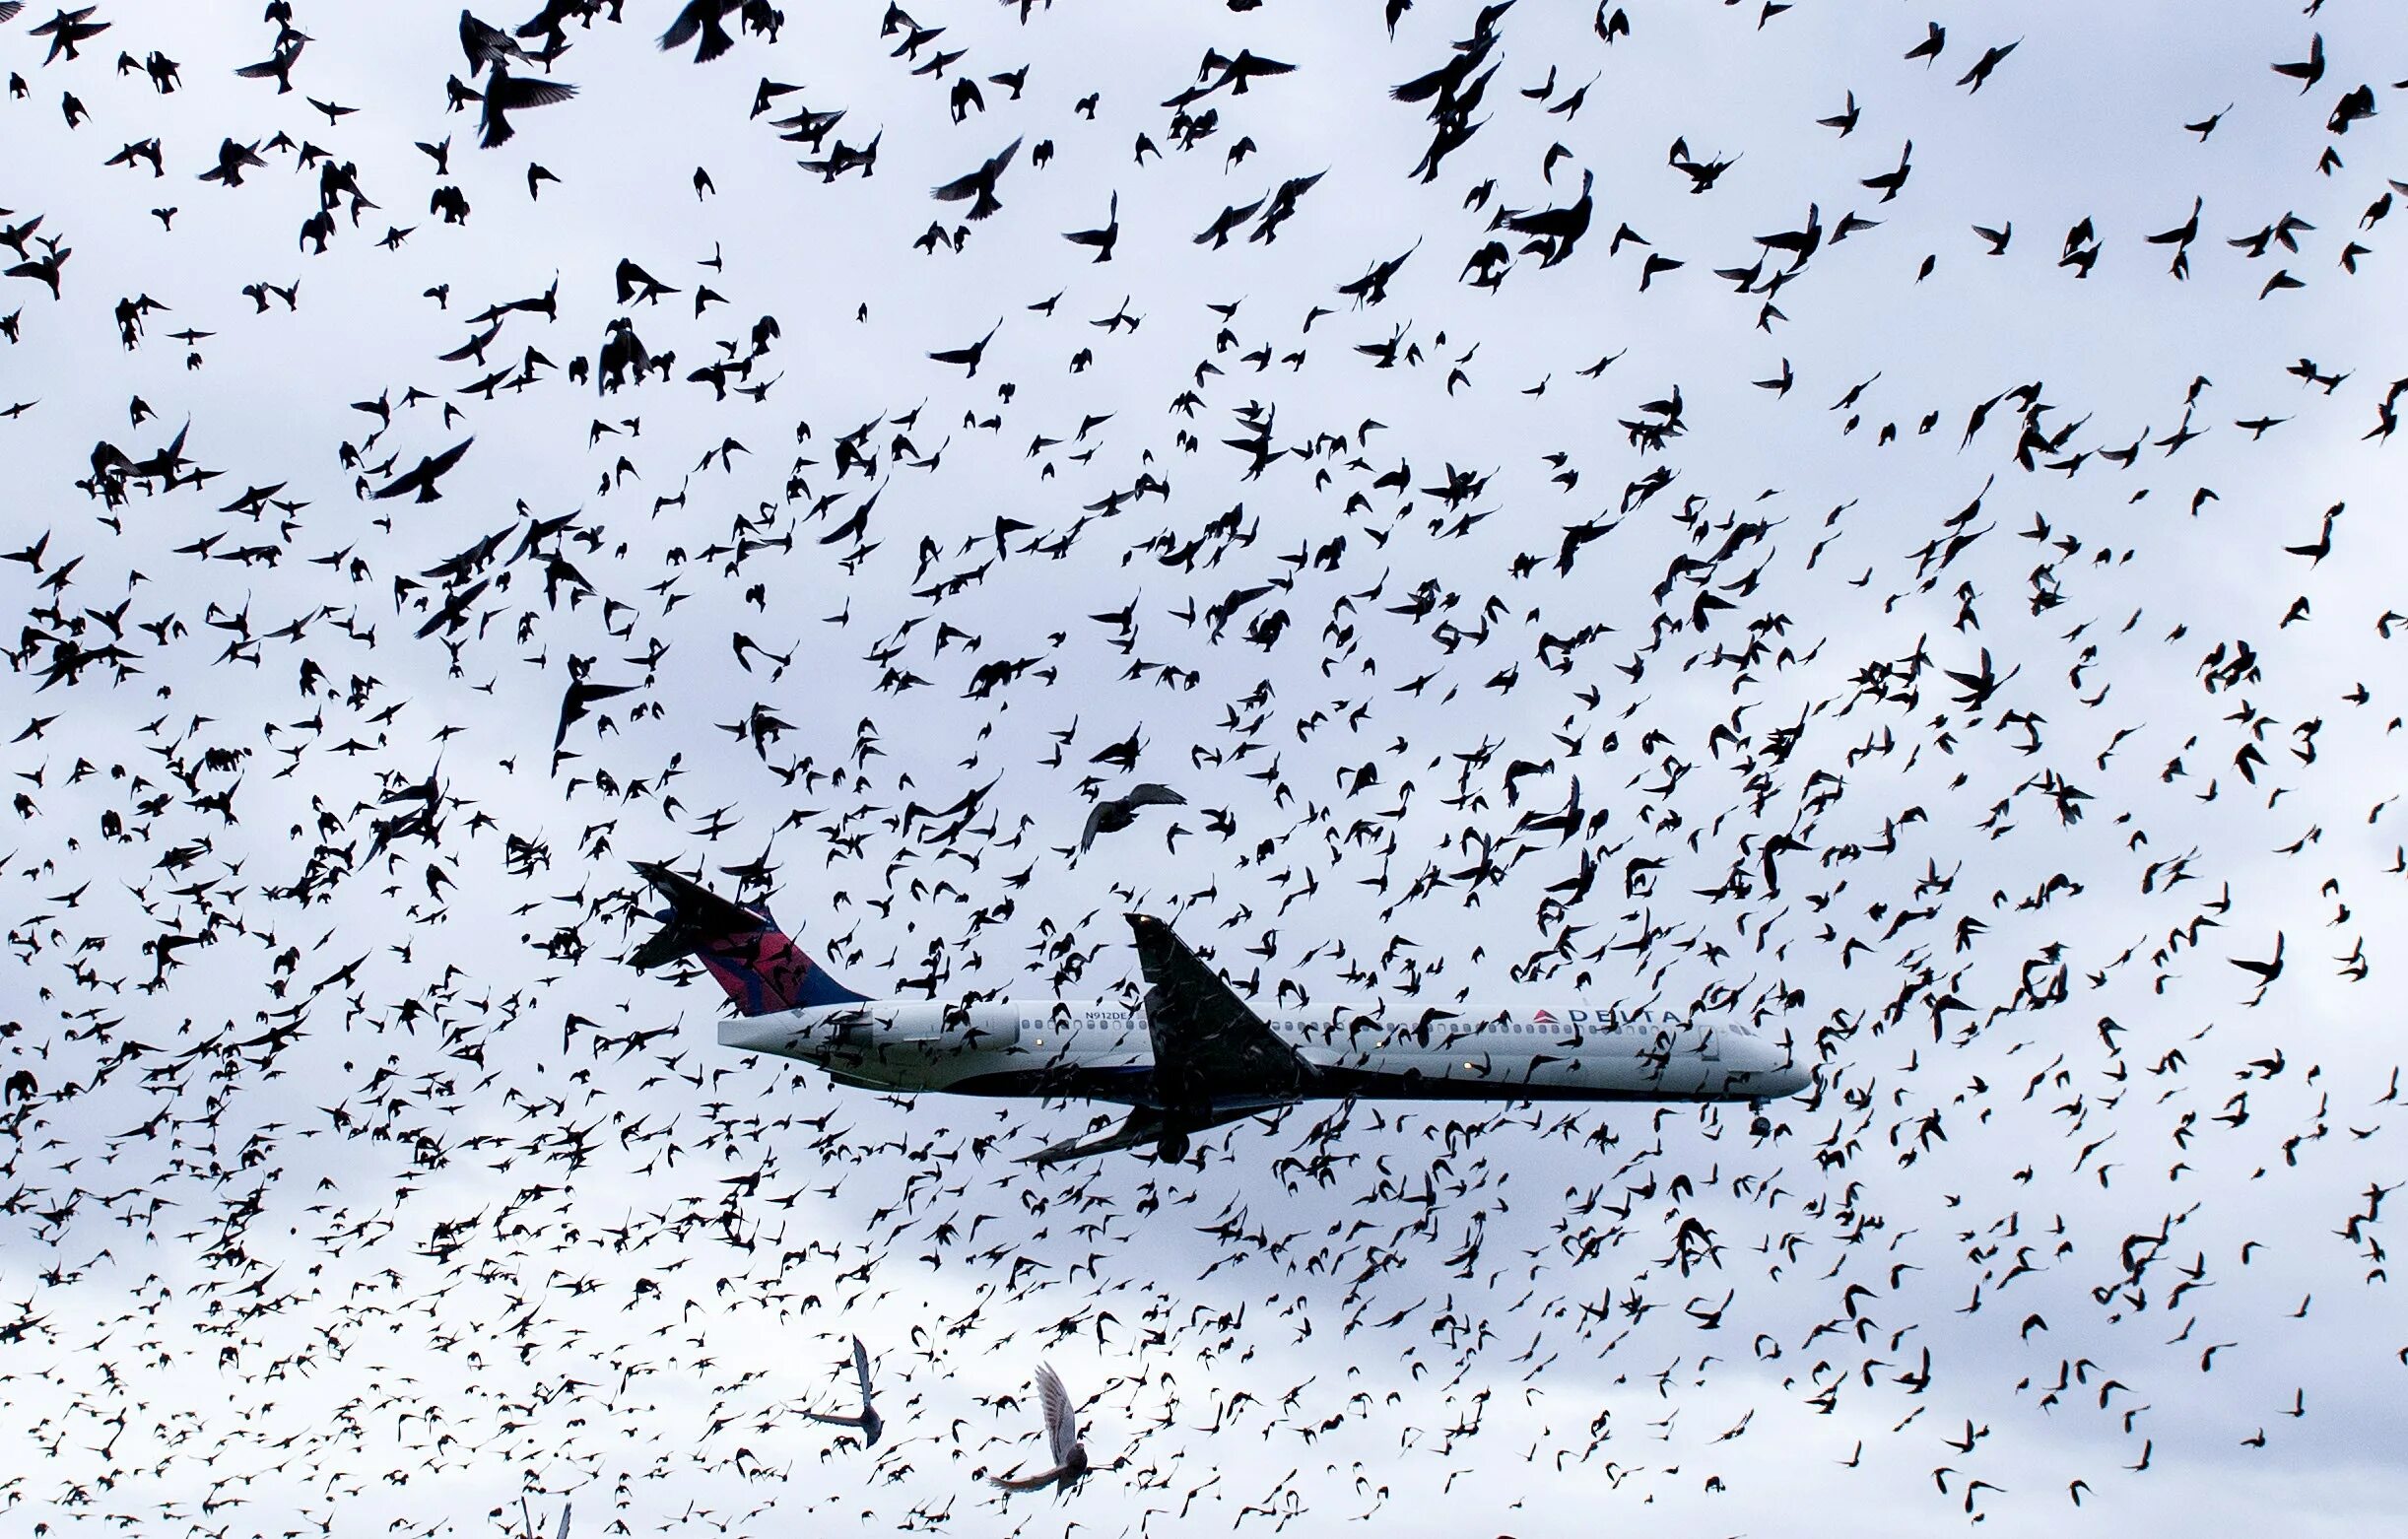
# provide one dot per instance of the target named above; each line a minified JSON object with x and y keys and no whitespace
{"x":382,"y":1194}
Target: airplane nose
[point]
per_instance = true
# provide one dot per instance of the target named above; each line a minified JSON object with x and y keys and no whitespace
{"x":1773,"y":1070}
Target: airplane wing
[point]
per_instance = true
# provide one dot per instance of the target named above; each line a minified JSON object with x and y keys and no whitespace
{"x":1208,"y":1045}
{"x":1144,"y":1125}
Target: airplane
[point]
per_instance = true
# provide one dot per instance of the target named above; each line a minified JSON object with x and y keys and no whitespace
{"x":1194,"y":1055}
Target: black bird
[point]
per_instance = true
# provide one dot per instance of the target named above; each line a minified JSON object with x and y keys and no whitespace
{"x":636,"y":285}
{"x":233,"y":159}
{"x":2266,"y":971}
{"x":421,"y":477}
{"x":506,"y":93}
{"x":1102,"y":239}
{"x":575,"y":706}
{"x":67,"y":28}
{"x":1980,"y":72}
{"x":2308,"y":70}
{"x":701,"y":18}
{"x":1116,"y":813}
{"x":278,"y":65}
{"x":484,"y":44}
{"x":969,"y":354}
{"x":978,"y":184}
{"x":1562,"y":228}
{"x":1888,"y":182}
{"x":1220,"y":229}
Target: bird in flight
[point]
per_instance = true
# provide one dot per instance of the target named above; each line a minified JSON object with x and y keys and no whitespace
{"x":421,"y":477}
{"x":869,"y":1421}
{"x":1061,"y":1436}
{"x":1116,"y":813}
{"x":980,"y":184}
{"x":506,"y":93}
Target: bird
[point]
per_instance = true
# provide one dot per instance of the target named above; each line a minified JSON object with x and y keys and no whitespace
{"x":1068,"y":1454}
{"x":970,"y":355}
{"x":278,"y":66}
{"x":485,"y":45}
{"x":1979,"y":74}
{"x":506,"y":93}
{"x":978,"y":184}
{"x":66,"y":29}
{"x":2306,"y":71}
{"x":702,"y":19}
{"x":869,"y":1421}
{"x":234,"y":159}
{"x":1231,"y":218}
{"x":421,"y":477}
{"x":1113,"y":814}
{"x":1103,"y":240}
{"x":577,"y":704}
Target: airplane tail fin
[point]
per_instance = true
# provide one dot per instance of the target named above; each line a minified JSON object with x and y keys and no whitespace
{"x":739,"y":945}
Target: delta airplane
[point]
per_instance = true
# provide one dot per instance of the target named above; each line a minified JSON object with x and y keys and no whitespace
{"x":1195,"y":1056}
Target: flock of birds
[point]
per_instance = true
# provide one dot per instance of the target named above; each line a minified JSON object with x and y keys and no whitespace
{"x":1517,"y":601}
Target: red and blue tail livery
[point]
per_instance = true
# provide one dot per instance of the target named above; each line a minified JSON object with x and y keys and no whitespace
{"x":739,"y":945}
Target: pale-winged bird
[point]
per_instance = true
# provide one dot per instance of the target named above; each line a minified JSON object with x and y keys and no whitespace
{"x":869,"y":1421}
{"x":1061,"y":1433}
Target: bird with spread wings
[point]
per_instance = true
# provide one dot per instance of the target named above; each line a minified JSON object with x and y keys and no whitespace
{"x":1113,"y":814}
{"x":869,"y":1421}
{"x":1061,"y":1435}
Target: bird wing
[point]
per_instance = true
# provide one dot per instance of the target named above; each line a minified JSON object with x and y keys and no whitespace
{"x":861,"y":1369}
{"x":1094,"y":826}
{"x":689,"y":22}
{"x":407,"y":481}
{"x":1152,"y":795}
{"x":1061,"y":1416}
{"x":961,"y":188}
{"x":518,"y":90}
{"x":1207,"y":1042}
{"x":465,"y":349}
{"x":1025,"y":1483}
{"x":443,"y":463}
{"x":979,"y":181}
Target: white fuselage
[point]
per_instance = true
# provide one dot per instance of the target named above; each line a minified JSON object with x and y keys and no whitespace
{"x":1103,"y":1051}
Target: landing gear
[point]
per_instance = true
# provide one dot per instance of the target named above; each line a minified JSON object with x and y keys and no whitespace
{"x":1172,"y":1147}
{"x":1762,"y":1127}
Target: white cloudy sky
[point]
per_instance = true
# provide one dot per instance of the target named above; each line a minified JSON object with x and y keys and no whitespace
{"x":388,"y":1245}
